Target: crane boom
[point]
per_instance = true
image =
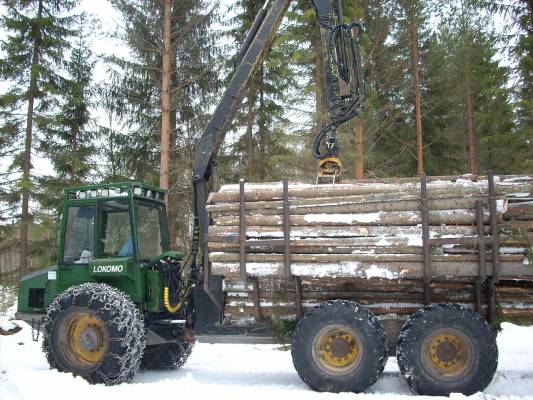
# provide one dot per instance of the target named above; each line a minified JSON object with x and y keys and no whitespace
{"x":344,"y":94}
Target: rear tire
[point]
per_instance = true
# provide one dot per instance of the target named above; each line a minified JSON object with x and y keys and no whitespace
{"x":166,"y":356}
{"x":339,"y":347}
{"x":446,"y":348}
{"x":95,"y":331}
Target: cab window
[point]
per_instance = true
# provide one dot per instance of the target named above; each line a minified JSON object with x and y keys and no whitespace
{"x":149,"y":229}
{"x":79,"y":235}
{"x":115,"y":236}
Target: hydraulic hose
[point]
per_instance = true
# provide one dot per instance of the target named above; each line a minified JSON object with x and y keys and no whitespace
{"x":328,"y":133}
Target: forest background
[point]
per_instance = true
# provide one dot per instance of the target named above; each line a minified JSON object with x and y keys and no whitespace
{"x":449,"y":91}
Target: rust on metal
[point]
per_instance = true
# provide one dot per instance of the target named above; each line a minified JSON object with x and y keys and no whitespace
{"x":242,"y":232}
{"x":257,"y":301}
{"x":425,"y":237}
{"x":482,"y":274}
{"x":298,"y":290}
{"x":286,"y":230}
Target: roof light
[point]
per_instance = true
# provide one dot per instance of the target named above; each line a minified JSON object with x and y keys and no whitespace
{"x":148,"y":193}
{"x":82,"y":195}
{"x":94,"y":193}
{"x":105,"y":192}
{"x":137,"y":191}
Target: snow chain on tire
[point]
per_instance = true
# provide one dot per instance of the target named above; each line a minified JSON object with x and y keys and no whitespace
{"x":166,"y":356}
{"x":121,"y":326}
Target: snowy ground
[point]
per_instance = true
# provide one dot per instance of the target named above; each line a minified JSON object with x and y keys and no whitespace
{"x":223,"y":371}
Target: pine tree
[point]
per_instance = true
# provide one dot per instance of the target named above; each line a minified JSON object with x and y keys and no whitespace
{"x":136,"y":92}
{"x":38,"y":33}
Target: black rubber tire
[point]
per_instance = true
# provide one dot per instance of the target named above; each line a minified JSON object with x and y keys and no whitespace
{"x":166,"y":356}
{"x":372,"y":339}
{"x":428,"y":321}
{"x":122,"y":323}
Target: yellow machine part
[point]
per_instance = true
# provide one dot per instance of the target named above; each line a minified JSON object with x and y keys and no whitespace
{"x":166,"y":300}
{"x":329,"y":167}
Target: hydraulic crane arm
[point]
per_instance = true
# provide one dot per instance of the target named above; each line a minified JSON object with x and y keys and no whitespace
{"x":344,"y":94}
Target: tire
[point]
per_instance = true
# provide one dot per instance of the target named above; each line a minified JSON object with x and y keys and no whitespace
{"x":447,"y":348}
{"x":166,"y":356}
{"x":94,"y":331}
{"x":339,"y":347}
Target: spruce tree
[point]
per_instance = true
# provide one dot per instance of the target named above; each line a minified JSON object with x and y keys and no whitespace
{"x":68,"y":132}
{"x":265,"y":146}
{"x":37,"y":36}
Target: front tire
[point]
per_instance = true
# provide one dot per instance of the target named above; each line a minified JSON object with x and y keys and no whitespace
{"x":339,"y":347}
{"x":446,"y":348}
{"x":95,"y":331}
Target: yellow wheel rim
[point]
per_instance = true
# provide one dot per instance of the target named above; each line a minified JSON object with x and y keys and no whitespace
{"x":448,"y":353}
{"x":337,"y":349}
{"x":86,"y":338}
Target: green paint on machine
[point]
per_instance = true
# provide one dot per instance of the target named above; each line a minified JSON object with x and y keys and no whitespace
{"x":110,"y":233}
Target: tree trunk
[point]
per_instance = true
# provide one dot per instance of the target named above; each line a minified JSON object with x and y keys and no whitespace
{"x":359,"y":149}
{"x":470,"y":120}
{"x":262,"y":125}
{"x":32,"y":92}
{"x":74,"y":167}
{"x":321,"y":106}
{"x":472,"y":144}
{"x":249,"y":139}
{"x":175,"y":163}
{"x":415,"y":65}
{"x":165,"y":96}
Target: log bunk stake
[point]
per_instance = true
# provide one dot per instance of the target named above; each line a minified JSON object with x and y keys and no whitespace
{"x":425,"y":238}
{"x":285,"y":242}
{"x":496,"y":270}
{"x":482,"y":275}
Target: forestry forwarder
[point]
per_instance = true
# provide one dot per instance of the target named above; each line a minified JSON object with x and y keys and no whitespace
{"x":118,"y":297}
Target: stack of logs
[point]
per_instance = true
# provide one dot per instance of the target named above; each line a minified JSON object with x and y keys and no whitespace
{"x":363,"y":241}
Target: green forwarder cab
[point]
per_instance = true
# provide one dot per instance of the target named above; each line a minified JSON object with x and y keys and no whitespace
{"x":116,"y":287}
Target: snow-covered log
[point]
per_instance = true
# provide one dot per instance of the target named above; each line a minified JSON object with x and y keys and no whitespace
{"x":363,"y":241}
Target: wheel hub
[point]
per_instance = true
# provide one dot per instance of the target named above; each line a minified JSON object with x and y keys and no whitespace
{"x":90,"y":338}
{"x":448,"y":353}
{"x":86,"y":338}
{"x":337,"y":349}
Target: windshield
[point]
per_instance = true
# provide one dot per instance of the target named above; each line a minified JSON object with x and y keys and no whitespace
{"x":149,"y":229}
{"x":79,"y":235}
{"x":115,"y":233}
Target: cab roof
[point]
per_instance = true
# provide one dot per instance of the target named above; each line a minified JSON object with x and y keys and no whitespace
{"x":114,"y":190}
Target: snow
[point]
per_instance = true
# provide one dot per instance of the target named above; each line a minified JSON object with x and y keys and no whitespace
{"x":375,"y":272}
{"x":512,"y":250}
{"x":315,"y":269}
{"x":362,"y":218}
{"x":501,"y":206}
{"x":233,"y":372}
{"x":7,"y":325}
